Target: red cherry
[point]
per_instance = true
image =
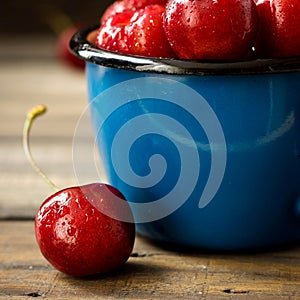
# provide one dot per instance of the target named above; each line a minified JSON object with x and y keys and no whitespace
{"x":76,"y":237}
{"x":125,"y":5}
{"x":137,"y":32}
{"x":63,"y":51}
{"x":82,"y":230}
{"x":210,"y":29}
{"x":279,"y":28}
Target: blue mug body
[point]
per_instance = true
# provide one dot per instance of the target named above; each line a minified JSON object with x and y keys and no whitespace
{"x":208,"y":157}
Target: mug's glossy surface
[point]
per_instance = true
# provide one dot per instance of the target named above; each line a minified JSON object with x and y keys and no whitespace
{"x":208,"y":154}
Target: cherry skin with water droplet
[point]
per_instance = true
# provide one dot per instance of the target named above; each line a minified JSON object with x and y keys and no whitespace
{"x":120,"y":6}
{"x":211,"y":30}
{"x":136,"y":32}
{"x":77,"y":237}
{"x":279,"y":28}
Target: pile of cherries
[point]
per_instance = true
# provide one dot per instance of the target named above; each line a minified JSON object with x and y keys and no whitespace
{"x":202,"y":29}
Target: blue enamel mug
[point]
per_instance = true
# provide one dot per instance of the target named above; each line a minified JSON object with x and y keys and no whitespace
{"x":207,"y":153}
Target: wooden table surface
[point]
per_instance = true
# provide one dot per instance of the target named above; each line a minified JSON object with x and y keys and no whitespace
{"x":30,"y":75}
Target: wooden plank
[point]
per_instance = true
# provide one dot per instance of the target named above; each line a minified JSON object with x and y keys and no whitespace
{"x":152,"y":272}
{"x":25,"y":81}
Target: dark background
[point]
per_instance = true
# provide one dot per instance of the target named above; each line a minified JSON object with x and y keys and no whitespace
{"x":41,"y":16}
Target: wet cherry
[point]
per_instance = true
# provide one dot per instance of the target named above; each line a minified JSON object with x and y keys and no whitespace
{"x":80,"y":230}
{"x":213,"y":30}
{"x":136,"y":32}
{"x":279,"y":28}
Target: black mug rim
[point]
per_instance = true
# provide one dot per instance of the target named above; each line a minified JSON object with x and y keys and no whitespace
{"x":85,"y":50}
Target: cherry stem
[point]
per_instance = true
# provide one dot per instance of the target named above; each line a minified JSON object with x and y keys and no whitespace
{"x":31,"y":116}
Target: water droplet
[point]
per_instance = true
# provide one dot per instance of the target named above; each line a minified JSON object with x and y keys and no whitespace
{"x":71,"y":231}
{"x":48,"y":217}
{"x":80,"y":203}
{"x":56,"y":206}
{"x":63,"y":210}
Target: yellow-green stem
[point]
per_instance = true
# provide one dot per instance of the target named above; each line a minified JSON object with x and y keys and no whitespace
{"x":31,"y":116}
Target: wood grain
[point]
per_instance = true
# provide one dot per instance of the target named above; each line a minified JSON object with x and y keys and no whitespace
{"x":152,"y":272}
{"x":25,"y":81}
